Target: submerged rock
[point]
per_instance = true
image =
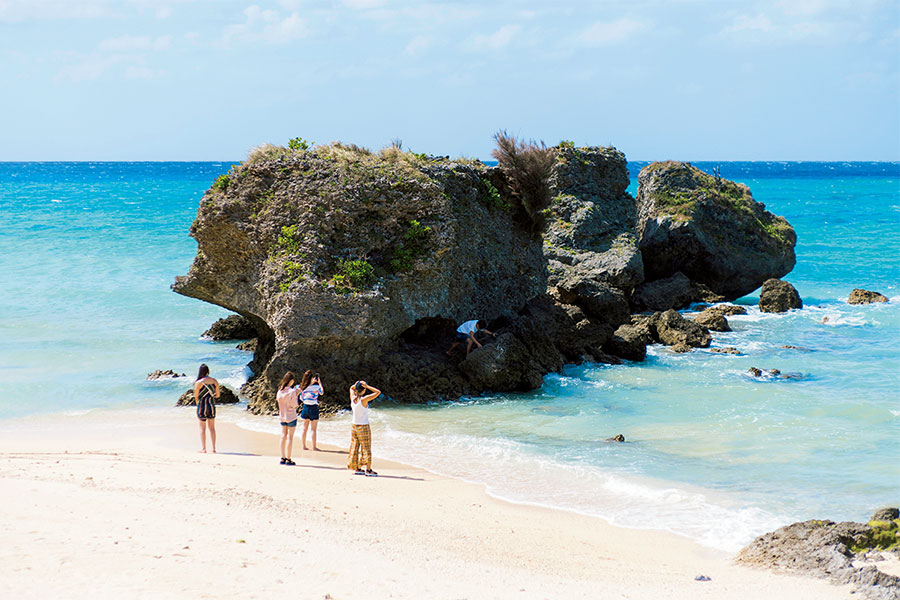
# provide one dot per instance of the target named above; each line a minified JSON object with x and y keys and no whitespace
{"x":861,"y":296}
{"x":778,"y":296}
{"x":226,"y":396}
{"x":167,"y":374}
{"x":232,"y":327}
{"x":710,"y":229}
{"x":829,"y":550}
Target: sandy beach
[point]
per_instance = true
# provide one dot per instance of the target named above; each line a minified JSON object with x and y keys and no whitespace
{"x":90,"y":509}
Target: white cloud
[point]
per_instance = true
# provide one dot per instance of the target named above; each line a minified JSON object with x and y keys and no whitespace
{"x":494,"y":41}
{"x":266,"y":25}
{"x":603,"y":33}
{"x":135,"y":43}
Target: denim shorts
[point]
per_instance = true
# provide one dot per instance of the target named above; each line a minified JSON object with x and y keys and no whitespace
{"x":461,"y":337}
{"x":291,"y":424}
{"x":310,"y":411}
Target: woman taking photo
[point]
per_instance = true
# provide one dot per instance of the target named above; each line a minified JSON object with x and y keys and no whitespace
{"x":287,"y":413}
{"x":206,"y":390}
{"x":311,"y":388}
{"x":361,"y":393}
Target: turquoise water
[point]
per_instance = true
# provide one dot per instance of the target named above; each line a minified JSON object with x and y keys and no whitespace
{"x":89,"y":251}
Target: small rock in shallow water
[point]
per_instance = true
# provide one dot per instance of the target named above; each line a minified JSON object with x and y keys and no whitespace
{"x":861,"y":296}
{"x":777,"y":296}
{"x":167,"y":374}
{"x":726,"y":350}
{"x":616,"y":438}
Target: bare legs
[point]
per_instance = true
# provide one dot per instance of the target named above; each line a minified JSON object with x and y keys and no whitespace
{"x":315,"y":424}
{"x":211,"y":425}
{"x":287,"y":440}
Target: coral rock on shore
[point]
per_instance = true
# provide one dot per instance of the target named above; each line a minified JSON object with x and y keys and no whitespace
{"x":709,"y":228}
{"x":713,"y":320}
{"x":778,"y":296}
{"x":831,"y":550}
{"x":861,"y":296}
{"x":226,"y":396}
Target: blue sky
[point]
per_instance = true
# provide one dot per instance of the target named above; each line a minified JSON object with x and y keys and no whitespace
{"x":675,"y":79}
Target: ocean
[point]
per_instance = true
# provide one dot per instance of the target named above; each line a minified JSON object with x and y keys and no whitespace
{"x":88,"y":252}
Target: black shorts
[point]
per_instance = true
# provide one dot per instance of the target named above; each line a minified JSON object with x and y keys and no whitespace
{"x":310,"y":412}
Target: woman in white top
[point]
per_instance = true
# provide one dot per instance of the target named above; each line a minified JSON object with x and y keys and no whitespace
{"x":361,"y":393}
{"x":311,"y":388}
{"x":287,"y":413}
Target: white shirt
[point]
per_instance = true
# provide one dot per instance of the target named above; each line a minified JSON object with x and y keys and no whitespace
{"x":310,"y":395}
{"x":468,"y":327}
{"x":360,"y":413}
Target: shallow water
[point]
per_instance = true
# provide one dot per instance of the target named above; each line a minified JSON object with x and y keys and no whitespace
{"x":89,"y":251}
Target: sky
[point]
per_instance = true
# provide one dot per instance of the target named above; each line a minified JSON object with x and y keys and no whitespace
{"x":658,"y":79}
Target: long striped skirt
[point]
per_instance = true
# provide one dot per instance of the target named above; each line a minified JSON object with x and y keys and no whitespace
{"x":360,"y":447}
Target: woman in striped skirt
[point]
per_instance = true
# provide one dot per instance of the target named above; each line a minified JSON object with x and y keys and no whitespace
{"x":361,"y":393}
{"x":206,"y":390}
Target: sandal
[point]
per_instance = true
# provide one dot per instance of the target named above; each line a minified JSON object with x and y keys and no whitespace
{"x":283,"y":461}
{"x":359,"y":472}
{"x":371,"y":473}
{"x":289,"y":462}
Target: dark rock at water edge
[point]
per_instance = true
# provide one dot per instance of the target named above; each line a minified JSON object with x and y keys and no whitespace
{"x":778,"y":296}
{"x":504,"y":366}
{"x":709,"y":229}
{"x":167,"y":374}
{"x":226,"y":396}
{"x":629,"y":342}
{"x":712,"y":320}
{"x":861,"y":296}
{"x":232,"y":327}
{"x":828,"y":550}
{"x":672,"y":329}
{"x":726,"y":350}
{"x":726,"y":310}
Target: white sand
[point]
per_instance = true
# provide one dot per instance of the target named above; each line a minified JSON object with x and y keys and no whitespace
{"x":89,"y":510}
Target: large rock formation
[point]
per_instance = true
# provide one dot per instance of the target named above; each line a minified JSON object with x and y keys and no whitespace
{"x":710,"y":229}
{"x":232,"y":327}
{"x":835,"y":551}
{"x":361,"y":265}
{"x":861,"y":296}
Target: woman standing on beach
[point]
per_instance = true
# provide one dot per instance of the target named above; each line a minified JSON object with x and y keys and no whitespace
{"x":360,"y":433}
{"x":287,"y":412}
{"x":312,"y":388}
{"x":206,"y":390}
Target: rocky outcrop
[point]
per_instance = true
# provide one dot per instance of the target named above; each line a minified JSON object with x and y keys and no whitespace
{"x":834,"y":551}
{"x":861,"y":296}
{"x":167,"y":374}
{"x":675,"y":292}
{"x":226,"y":396}
{"x":629,"y":342}
{"x":778,"y":296}
{"x":672,"y":329}
{"x":710,"y":229}
{"x":232,"y":327}
{"x":726,"y":350}
{"x":726,"y":310}
{"x":713,"y":320}
{"x":503,"y":366}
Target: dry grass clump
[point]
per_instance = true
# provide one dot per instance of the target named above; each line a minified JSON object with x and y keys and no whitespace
{"x":527,"y":167}
{"x":343,"y":153}
{"x":266,"y":152}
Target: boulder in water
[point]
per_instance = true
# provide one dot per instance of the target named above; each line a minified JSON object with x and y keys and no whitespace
{"x":778,"y":296}
{"x":861,"y":296}
{"x":673,"y":329}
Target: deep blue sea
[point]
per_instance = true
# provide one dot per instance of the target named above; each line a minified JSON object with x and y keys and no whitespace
{"x":88,"y":252}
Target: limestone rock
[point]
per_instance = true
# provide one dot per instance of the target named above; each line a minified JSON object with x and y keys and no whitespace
{"x":726,"y":310}
{"x":681,"y":348}
{"x":778,"y":296}
{"x":710,"y":229}
{"x":827,"y":550}
{"x":675,"y":291}
{"x":232,"y":327}
{"x":504,"y":365}
{"x":712,"y":320}
{"x":167,"y":374}
{"x":673,"y":329}
{"x":594,"y":297}
{"x":226,"y":396}
{"x":629,"y":342}
{"x":886,"y":514}
{"x":860,"y":296}
{"x":726,"y":350}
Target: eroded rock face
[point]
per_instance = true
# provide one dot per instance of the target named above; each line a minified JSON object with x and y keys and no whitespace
{"x":226,"y":396}
{"x":232,"y":327}
{"x":505,"y":366}
{"x":861,"y":296}
{"x":778,"y":296}
{"x":828,"y":550}
{"x":333,"y":254}
{"x":710,"y":229}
